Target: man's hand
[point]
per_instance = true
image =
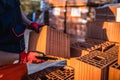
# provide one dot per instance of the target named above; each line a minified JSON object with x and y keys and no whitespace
{"x":36,"y":27}
{"x":30,"y":57}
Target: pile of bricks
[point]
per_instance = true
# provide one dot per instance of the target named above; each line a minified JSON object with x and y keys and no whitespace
{"x":96,"y":58}
{"x":100,"y":1}
{"x":108,"y":13}
{"x":80,"y":49}
{"x":70,"y":2}
{"x":114,"y":70}
{"x":95,"y":65}
{"x":69,"y":16}
{"x":52,"y":73}
{"x":104,"y":30}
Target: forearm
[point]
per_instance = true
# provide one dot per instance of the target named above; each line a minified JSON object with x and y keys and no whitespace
{"x":8,"y":58}
{"x":26,"y":21}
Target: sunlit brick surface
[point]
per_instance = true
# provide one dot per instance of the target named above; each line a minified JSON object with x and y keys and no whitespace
{"x":114,"y":72}
{"x":95,"y":65}
{"x":50,"y":42}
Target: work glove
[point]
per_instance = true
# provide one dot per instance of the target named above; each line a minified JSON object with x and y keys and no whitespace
{"x":31,"y":57}
{"x":36,"y":27}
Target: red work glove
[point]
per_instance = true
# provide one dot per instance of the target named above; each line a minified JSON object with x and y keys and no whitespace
{"x":30,"y":57}
{"x":36,"y":27}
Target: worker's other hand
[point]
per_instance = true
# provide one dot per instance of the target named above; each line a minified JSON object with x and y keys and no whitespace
{"x":36,"y":27}
{"x":30,"y":57}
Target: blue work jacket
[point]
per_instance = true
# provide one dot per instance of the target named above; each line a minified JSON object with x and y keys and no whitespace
{"x":11,"y":27}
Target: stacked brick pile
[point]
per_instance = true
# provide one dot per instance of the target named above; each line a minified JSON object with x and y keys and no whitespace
{"x":81,"y":49}
{"x":69,"y":16}
{"x":109,"y":13}
{"x":114,"y":69}
{"x":95,"y":65}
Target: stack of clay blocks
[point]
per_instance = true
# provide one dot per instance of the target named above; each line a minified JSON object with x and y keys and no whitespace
{"x":83,"y":48}
{"x":95,"y":65}
{"x":114,"y":70}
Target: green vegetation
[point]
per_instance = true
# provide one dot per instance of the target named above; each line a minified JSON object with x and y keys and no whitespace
{"x":29,"y":6}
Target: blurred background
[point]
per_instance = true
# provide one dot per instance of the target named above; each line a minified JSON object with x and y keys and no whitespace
{"x":30,"y":6}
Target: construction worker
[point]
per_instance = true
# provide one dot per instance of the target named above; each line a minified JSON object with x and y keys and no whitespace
{"x":13,"y":23}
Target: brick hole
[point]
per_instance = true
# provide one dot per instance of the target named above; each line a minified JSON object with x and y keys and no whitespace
{"x":98,"y":58}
